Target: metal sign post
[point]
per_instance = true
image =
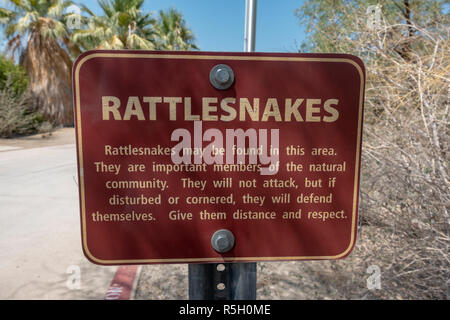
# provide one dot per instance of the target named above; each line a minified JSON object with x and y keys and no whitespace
{"x":250,"y":25}
{"x":227,"y":281}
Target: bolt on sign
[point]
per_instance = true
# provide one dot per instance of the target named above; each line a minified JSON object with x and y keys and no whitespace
{"x":196,"y":157}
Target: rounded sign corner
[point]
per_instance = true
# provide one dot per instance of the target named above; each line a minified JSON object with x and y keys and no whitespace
{"x":87,"y":253}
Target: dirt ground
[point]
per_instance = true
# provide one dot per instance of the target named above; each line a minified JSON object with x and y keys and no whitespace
{"x":364,"y":275}
{"x":296,"y":280}
{"x":55,"y":137}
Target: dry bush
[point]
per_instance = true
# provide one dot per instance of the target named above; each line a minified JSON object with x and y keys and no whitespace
{"x":405,"y":197}
{"x":16,"y":116}
{"x":405,"y":179}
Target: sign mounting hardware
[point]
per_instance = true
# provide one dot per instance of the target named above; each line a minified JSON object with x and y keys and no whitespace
{"x":221,"y":77}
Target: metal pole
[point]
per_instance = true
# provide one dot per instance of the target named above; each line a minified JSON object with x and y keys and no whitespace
{"x":250,"y":25}
{"x":228,"y":281}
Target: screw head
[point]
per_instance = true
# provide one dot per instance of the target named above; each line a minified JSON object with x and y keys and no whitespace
{"x":222,"y":240}
{"x":221,"y":77}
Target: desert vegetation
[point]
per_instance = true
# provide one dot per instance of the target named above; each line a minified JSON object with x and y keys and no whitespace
{"x":404,"y":218}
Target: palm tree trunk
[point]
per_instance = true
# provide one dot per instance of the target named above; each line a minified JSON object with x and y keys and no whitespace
{"x":49,"y":68}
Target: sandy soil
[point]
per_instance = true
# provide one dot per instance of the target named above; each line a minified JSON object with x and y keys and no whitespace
{"x":296,"y":280}
{"x":59,"y":136}
{"x":349,"y":278}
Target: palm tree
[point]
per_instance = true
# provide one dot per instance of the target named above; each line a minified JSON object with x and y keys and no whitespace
{"x":172,"y":32}
{"x":123,"y":26}
{"x":37,"y":31}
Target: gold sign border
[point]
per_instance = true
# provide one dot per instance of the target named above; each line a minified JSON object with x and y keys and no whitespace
{"x":123,"y":54}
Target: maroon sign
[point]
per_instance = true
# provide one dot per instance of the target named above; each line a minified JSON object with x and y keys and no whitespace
{"x":167,"y":155}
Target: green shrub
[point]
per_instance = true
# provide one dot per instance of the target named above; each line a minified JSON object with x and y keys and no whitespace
{"x":17,"y":117}
{"x":14,"y":74}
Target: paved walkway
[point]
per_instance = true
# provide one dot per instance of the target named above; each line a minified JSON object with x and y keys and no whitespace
{"x":40,"y":243}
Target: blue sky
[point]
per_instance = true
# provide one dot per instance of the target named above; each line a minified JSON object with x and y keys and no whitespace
{"x":219,"y":24}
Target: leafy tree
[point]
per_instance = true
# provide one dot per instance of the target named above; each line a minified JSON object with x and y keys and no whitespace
{"x":172,"y":32}
{"x":123,"y":25}
{"x":37,"y":32}
{"x":12,"y":75}
{"x":333,"y":24}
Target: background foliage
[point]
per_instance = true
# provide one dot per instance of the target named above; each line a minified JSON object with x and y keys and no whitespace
{"x":15,"y":74}
{"x":404,"y":219}
{"x":47,"y":35}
